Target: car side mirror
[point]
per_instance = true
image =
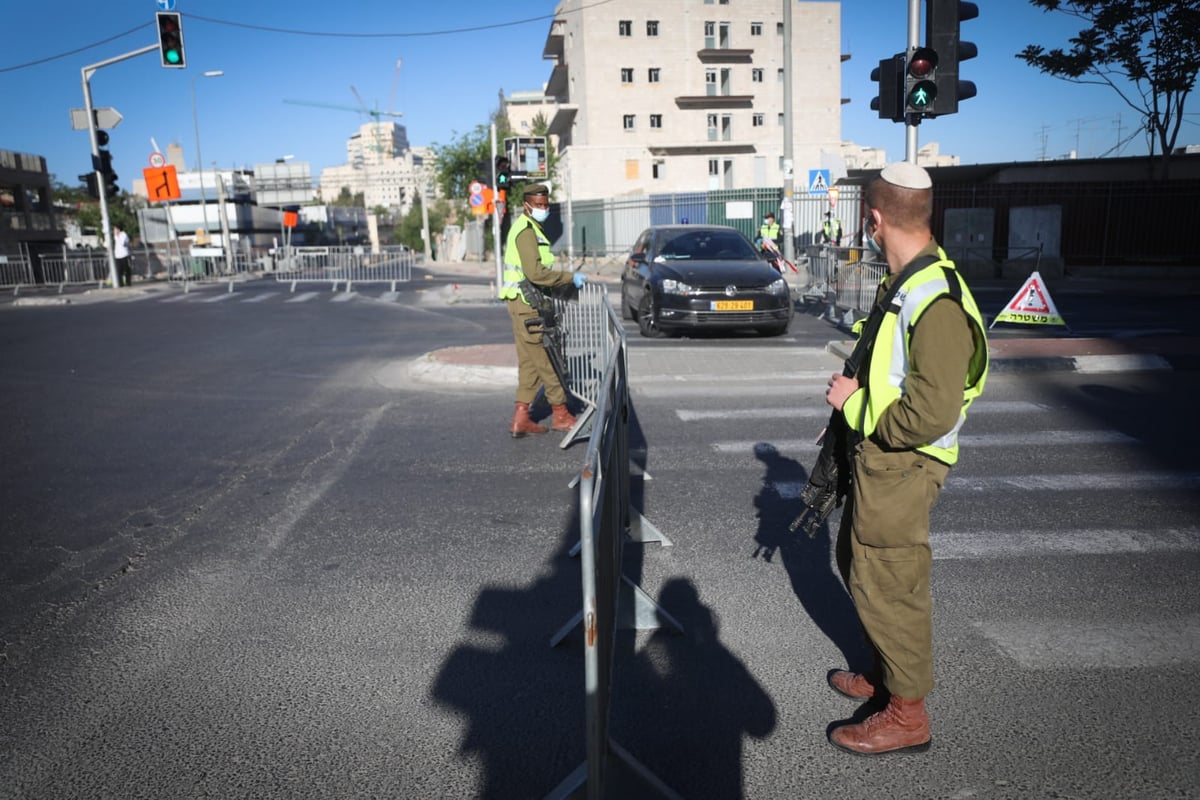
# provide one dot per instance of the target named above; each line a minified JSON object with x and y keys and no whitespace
{"x":637,"y":258}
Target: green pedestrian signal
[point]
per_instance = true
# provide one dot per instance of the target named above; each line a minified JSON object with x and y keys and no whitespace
{"x":920,"y":81}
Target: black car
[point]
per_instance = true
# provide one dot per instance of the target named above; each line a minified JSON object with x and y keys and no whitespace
{"x":702,"y":277}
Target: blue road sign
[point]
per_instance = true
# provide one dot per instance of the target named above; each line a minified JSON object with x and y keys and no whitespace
{"x":818,"y":181}
{"x":165,"y":5}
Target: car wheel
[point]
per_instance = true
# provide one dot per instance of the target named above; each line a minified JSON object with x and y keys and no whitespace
{"x":647,"y":317}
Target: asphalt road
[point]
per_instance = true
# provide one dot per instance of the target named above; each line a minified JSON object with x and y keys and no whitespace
{"x":239,"y":558}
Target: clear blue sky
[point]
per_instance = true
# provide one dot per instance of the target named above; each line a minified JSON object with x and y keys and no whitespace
{"x":451,"y":78}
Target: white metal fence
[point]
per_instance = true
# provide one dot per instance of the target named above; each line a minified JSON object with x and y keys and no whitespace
{"x":348,"y":265}
{"x":15,"y":272}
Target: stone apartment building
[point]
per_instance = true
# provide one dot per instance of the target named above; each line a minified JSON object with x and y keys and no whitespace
{"x":381,"y":165}
{"x":685,"y":95}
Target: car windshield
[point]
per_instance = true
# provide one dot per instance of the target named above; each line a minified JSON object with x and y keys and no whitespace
{"x":696,"y":245}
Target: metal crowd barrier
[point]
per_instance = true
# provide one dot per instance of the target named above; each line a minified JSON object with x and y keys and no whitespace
{"x":843,"y":280}
{"x":604,"y":517}
{"x":75,"y":269}
{"x":349,"y":265}
{"x":15,"y":272}
{"x":585,"y":346}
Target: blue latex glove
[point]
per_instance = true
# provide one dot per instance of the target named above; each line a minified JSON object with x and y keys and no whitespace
{"x":579,"y":279}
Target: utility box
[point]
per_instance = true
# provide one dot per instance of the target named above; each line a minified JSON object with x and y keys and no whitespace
{"x":967,"y":236}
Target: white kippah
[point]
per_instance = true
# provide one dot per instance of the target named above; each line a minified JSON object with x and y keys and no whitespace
{"x":906,"y":176}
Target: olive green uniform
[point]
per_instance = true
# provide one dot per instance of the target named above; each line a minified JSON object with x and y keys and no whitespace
{"x":533,"y":364}
{"x":883,"y":548}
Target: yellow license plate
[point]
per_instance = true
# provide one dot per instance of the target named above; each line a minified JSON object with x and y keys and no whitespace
{"x":732,"y":305}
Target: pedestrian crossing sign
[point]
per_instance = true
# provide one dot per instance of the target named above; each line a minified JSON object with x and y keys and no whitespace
{"x":1031,"y":305}
{"x":818,"y":181}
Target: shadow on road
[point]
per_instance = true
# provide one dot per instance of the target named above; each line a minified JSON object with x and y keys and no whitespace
{"x":814,"y":578}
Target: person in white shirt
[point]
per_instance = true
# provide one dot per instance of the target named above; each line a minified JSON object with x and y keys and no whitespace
{"x":121,"y":255}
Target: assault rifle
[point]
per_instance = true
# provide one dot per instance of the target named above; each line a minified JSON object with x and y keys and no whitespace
{"x":829,"y":481}
{"x":553,"y":335}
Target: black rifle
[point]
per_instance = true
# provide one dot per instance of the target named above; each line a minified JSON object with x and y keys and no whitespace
{"x":829,"y":481}
{"x":553,"y":335}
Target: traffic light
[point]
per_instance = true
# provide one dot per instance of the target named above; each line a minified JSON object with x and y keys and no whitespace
{"x":108,"y":178}
{"x":170,"y":39}
{"x":920,"y":81}
{"x":93,"y":184}
{"x":890,"y":74}
{"x":942,"y":18}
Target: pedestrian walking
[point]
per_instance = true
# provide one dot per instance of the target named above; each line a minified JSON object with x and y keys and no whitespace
{"x":926,"y":361}
{"x":528,"y":260}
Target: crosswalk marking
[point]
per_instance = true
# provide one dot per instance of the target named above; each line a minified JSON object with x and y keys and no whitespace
{"x":258,"y":298}
{"x":216,"y":298}
{"x":342,"y":297}
{"x":1073,"y":482}
{"x":796,"y":412}
{"x":1054,"y":643}
{"x":303,"y":297}
{"x":1011,"y":439}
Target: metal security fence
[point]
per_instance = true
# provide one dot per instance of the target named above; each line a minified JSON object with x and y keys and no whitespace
{"x":588,"y":340}
{"x":15,"y":272}
{"x":74,"y":269}
{"x":609,"y":227}
{"x":348,"y":265}
{"x":604,"y":520}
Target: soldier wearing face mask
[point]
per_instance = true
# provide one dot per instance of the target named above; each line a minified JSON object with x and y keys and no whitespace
{"x":527,"y":256}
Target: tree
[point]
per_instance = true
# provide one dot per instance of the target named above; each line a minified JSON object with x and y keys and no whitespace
{"x":1147,"y":51}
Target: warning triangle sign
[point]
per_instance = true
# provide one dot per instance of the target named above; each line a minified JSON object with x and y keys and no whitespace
{"x":1031,"y":305}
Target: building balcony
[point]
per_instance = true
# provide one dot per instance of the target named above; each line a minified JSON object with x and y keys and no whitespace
{"x":553,"y":49}
{"x":564,"y":117}
{"x":725,"y":55}
{"x":701,"y":148}
{"x":556,"y":85}
{"x":715,"y":101}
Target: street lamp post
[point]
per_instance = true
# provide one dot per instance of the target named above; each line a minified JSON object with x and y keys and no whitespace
{"x":212,"y":73}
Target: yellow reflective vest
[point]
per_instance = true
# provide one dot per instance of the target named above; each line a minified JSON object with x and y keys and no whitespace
{"x":510,"y":286}
{"x":769,"y":231}
{"x":888,"y":368}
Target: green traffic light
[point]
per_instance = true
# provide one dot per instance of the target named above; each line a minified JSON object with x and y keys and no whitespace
{"x":173,"y":56}
{"x":921,"y":95}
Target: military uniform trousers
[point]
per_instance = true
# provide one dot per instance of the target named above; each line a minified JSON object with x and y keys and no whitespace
{"x":533,"y":363}
{"x":884,"y":557}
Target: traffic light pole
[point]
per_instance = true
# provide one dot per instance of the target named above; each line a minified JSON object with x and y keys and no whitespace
{"x":86,"y":76}
{"x":789,"y":179}
{"x":911,"y":121}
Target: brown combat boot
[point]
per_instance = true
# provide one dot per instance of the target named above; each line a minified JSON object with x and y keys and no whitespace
{"x":522,"y":424}
{"x":562,"y":421}
{"x":902,"y":726}
{"x":852,"y":684}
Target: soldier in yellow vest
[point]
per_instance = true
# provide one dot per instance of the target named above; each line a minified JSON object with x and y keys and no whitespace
{"x":927,"y":363}
{"x":527,"y":256}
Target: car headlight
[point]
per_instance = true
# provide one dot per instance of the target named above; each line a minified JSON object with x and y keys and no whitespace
{"x":778,"y":287}
{"x":672,"y":286}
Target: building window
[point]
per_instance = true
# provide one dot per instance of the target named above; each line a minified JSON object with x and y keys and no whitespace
{"x":779,"y":75}
{"x":631,"y":169}
{"x":712,"y":127}
{"x":756,"y":29}
{"x":710,"y":82}
{"x":781,"y":120}
{"x":657,"y":168}
{"x":656,"y":120}
{"x":779,"y":28}
{"x":652,"y":27}
{"x":626,"y":74}
{"x":628,"y":121}
{"x":625,"y":27}
{"x":757,"y":120}
{"x":714,"y":168}
{"x":756,"y":75}
{"x":654,"y":75}
{"x":726,"y":127}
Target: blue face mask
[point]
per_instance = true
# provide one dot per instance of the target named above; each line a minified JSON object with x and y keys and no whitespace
{"x":870,"y":242}
{"x":539,"y":214}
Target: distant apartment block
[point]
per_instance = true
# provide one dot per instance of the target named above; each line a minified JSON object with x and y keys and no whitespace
{"x":685,"y":95}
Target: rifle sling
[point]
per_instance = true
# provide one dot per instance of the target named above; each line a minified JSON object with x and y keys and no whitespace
{"x":867,"y":337}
